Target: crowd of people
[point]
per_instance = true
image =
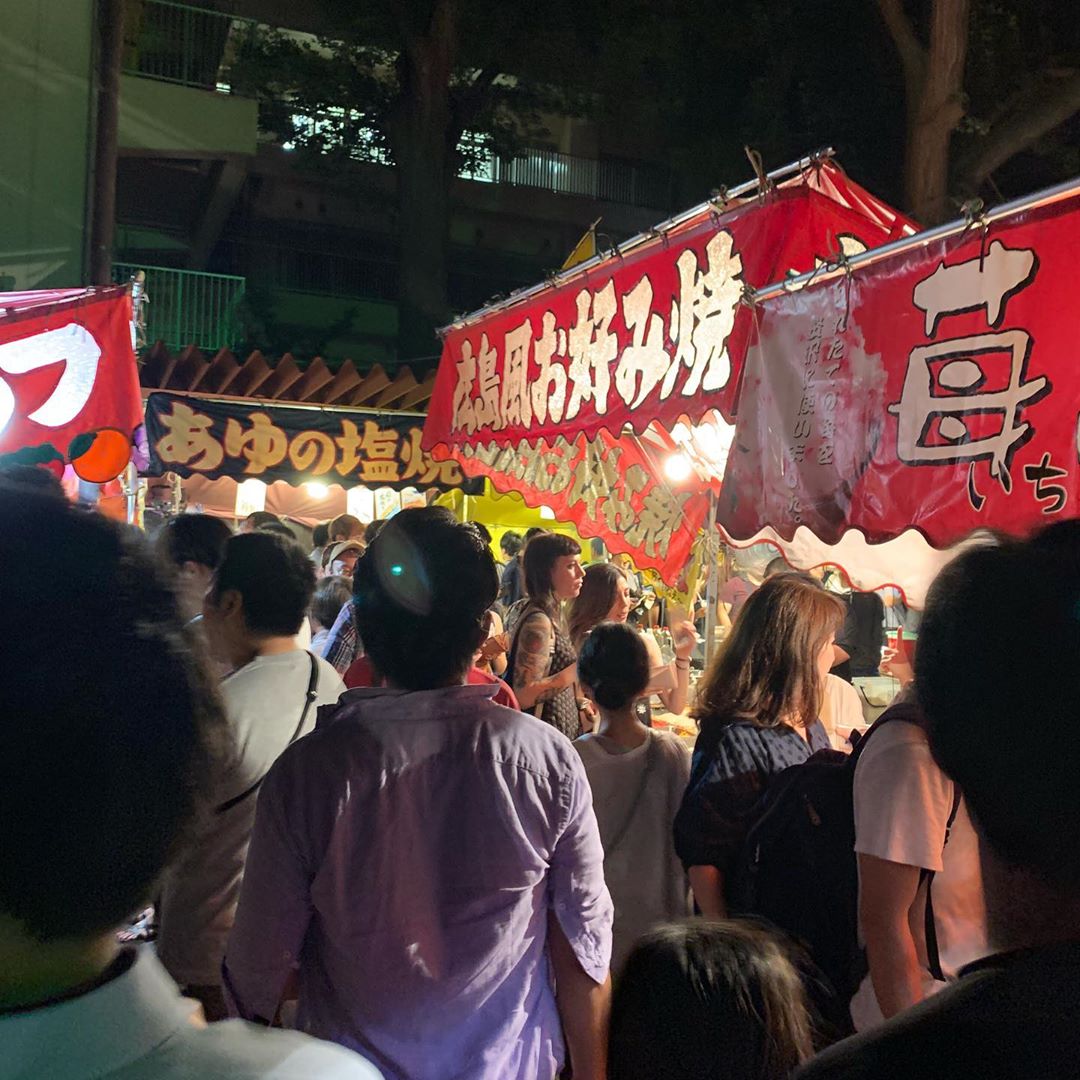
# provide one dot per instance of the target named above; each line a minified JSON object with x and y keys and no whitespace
{"x":401,"y":814}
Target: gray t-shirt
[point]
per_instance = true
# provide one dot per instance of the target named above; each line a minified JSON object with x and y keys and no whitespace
{"x":644,"y":875}
{"x":263,"y":704}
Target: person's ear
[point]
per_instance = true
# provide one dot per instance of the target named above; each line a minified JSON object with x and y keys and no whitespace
{"x":231,"y":604}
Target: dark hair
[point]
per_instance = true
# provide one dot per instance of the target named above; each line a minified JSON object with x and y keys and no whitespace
{"x":260,"y":518}
{"x":541,"y":554}
{"x":997,"y":659}
{"x":32,"y":476}
{"x":197,"y":538}
{"x":767,"y":669}
{"x":483,"y":530}
{"x":279,"y":528}
{"x":614,"y":664}
{"x":779,"y":565}
{"x":708,"y":1000}
{"x":510,"y":542}
{"x":274,"y":578}
{"x":103,"y":756}
{"x":421,"y":593}
{"x":346,"y":527}
{"x":599,"y":589}
{"x":320,"y":535}
{"x":372,"y":529}
{"x":331,"y":595}
{"x":535,"y":531}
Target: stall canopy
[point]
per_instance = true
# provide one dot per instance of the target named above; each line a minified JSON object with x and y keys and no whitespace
{"x":892,"y":407}
{"x":213,"y":438}
{"x":69,"y":388}
{"x":565,"y":392}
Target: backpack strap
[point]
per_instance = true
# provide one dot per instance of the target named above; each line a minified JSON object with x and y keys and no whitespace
{"x":651,"y":755}
{"x":309,"y":700}
{"x":933,"y":956}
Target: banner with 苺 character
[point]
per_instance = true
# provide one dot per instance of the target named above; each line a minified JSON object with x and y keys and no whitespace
{"x":69,"y":384}
{"x":195,"y":436}
{"x":936,"y":389}
{"x":650,"y":335}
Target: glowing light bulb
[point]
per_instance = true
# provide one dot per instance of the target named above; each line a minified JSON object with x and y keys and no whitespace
{"x":678,"y":467}
{"x":316,"y":490}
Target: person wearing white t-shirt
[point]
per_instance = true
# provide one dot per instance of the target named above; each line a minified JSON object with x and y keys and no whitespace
{"x":107,"y":762}
{"x":638,"y":776}
{"x":903,"y":807}
{"x":251,"y":615}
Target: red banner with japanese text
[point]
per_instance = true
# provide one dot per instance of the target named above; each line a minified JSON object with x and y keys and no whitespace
{"x":607,"y":488}
{"x":650,"y":336}
{"x":936,"y":389}
{"x":67,"y":369}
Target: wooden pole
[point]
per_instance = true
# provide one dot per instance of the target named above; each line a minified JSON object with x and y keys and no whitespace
{"x":110,"y":35}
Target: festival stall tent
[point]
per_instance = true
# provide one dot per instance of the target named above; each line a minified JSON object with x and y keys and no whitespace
{"x":306,"y":444}
{"x":69,"y":387}
{"x":895,"y":406}
{"x":574,"y":393}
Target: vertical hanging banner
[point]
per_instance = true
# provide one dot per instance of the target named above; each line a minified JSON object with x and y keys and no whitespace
{"x":67,"y":369}
{"x":934,"y":389}
{"x":650,"y":336}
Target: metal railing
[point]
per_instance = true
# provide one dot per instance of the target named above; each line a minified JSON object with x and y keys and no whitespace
{"x":181,"y":43}
{"x":188,"y":307}
{"x":603,"y":179}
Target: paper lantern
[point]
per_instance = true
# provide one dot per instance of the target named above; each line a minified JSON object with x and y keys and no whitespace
{"x":106,"y":458}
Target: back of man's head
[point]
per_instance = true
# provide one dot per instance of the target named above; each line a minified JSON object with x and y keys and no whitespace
{"x":106,"y":740}
{"x":274,"y":578}
{"x":422,"y":591}
{"x":998,"y":674}
{"x":346,"y":527}
{"x":258,"y":519}
{"x":196,"y":538}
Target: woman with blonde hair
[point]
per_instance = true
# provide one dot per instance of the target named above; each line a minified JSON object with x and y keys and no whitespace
{"x":757,"y":711}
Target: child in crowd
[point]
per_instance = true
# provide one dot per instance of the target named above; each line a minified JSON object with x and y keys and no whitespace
{"x":638,"y":776}
{"x":705,"y":1000}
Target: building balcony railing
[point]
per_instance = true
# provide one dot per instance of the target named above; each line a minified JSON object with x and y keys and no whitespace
{"x":181,"y":43}
{"x":188,"y":307}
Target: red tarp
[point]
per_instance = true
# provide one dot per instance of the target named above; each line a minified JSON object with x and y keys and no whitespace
{"x":649,"y":337}
{"x":634,"y":341}
{"x":936,"y":389}
{"x":67,"y":368}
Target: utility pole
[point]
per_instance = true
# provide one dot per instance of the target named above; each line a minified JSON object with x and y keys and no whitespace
{"x":110,"y":54}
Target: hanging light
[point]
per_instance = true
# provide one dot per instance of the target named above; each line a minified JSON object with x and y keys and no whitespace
{"x":317,"y":490}
{"x":250,"y":497}
{"x":678,"y":467}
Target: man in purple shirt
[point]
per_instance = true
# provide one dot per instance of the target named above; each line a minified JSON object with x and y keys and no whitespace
{"x":427,"y":860}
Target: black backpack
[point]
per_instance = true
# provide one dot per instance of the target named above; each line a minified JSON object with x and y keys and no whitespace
{"x":797,"y":868}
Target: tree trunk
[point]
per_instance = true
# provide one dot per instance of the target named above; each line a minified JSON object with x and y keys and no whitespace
{"x":934,"y":84}
{"x":424,"y":141}
{"x":110,"y":25}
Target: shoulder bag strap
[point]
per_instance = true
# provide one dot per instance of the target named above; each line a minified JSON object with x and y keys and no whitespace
{"x":650,"y":762}
{"x":933,"y":957}
{"x":309,"y":700}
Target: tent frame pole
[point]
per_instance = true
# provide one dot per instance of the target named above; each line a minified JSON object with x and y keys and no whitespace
{"x":1046,"y":197}
{"x":712,"y":586}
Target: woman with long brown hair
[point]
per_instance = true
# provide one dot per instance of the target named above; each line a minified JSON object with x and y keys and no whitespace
{"x":757,"y":710}
{"x":542,"y":666}
{"x":606,"y":597}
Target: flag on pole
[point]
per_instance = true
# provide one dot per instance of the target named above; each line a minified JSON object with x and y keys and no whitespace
{"x":585,"y":248}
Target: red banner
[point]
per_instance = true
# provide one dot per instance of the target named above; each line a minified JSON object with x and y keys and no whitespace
{"x":66,"y":368}
{"x":606,"y":488}
{"x":653,"y":336}
{"x":936,"y":389}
